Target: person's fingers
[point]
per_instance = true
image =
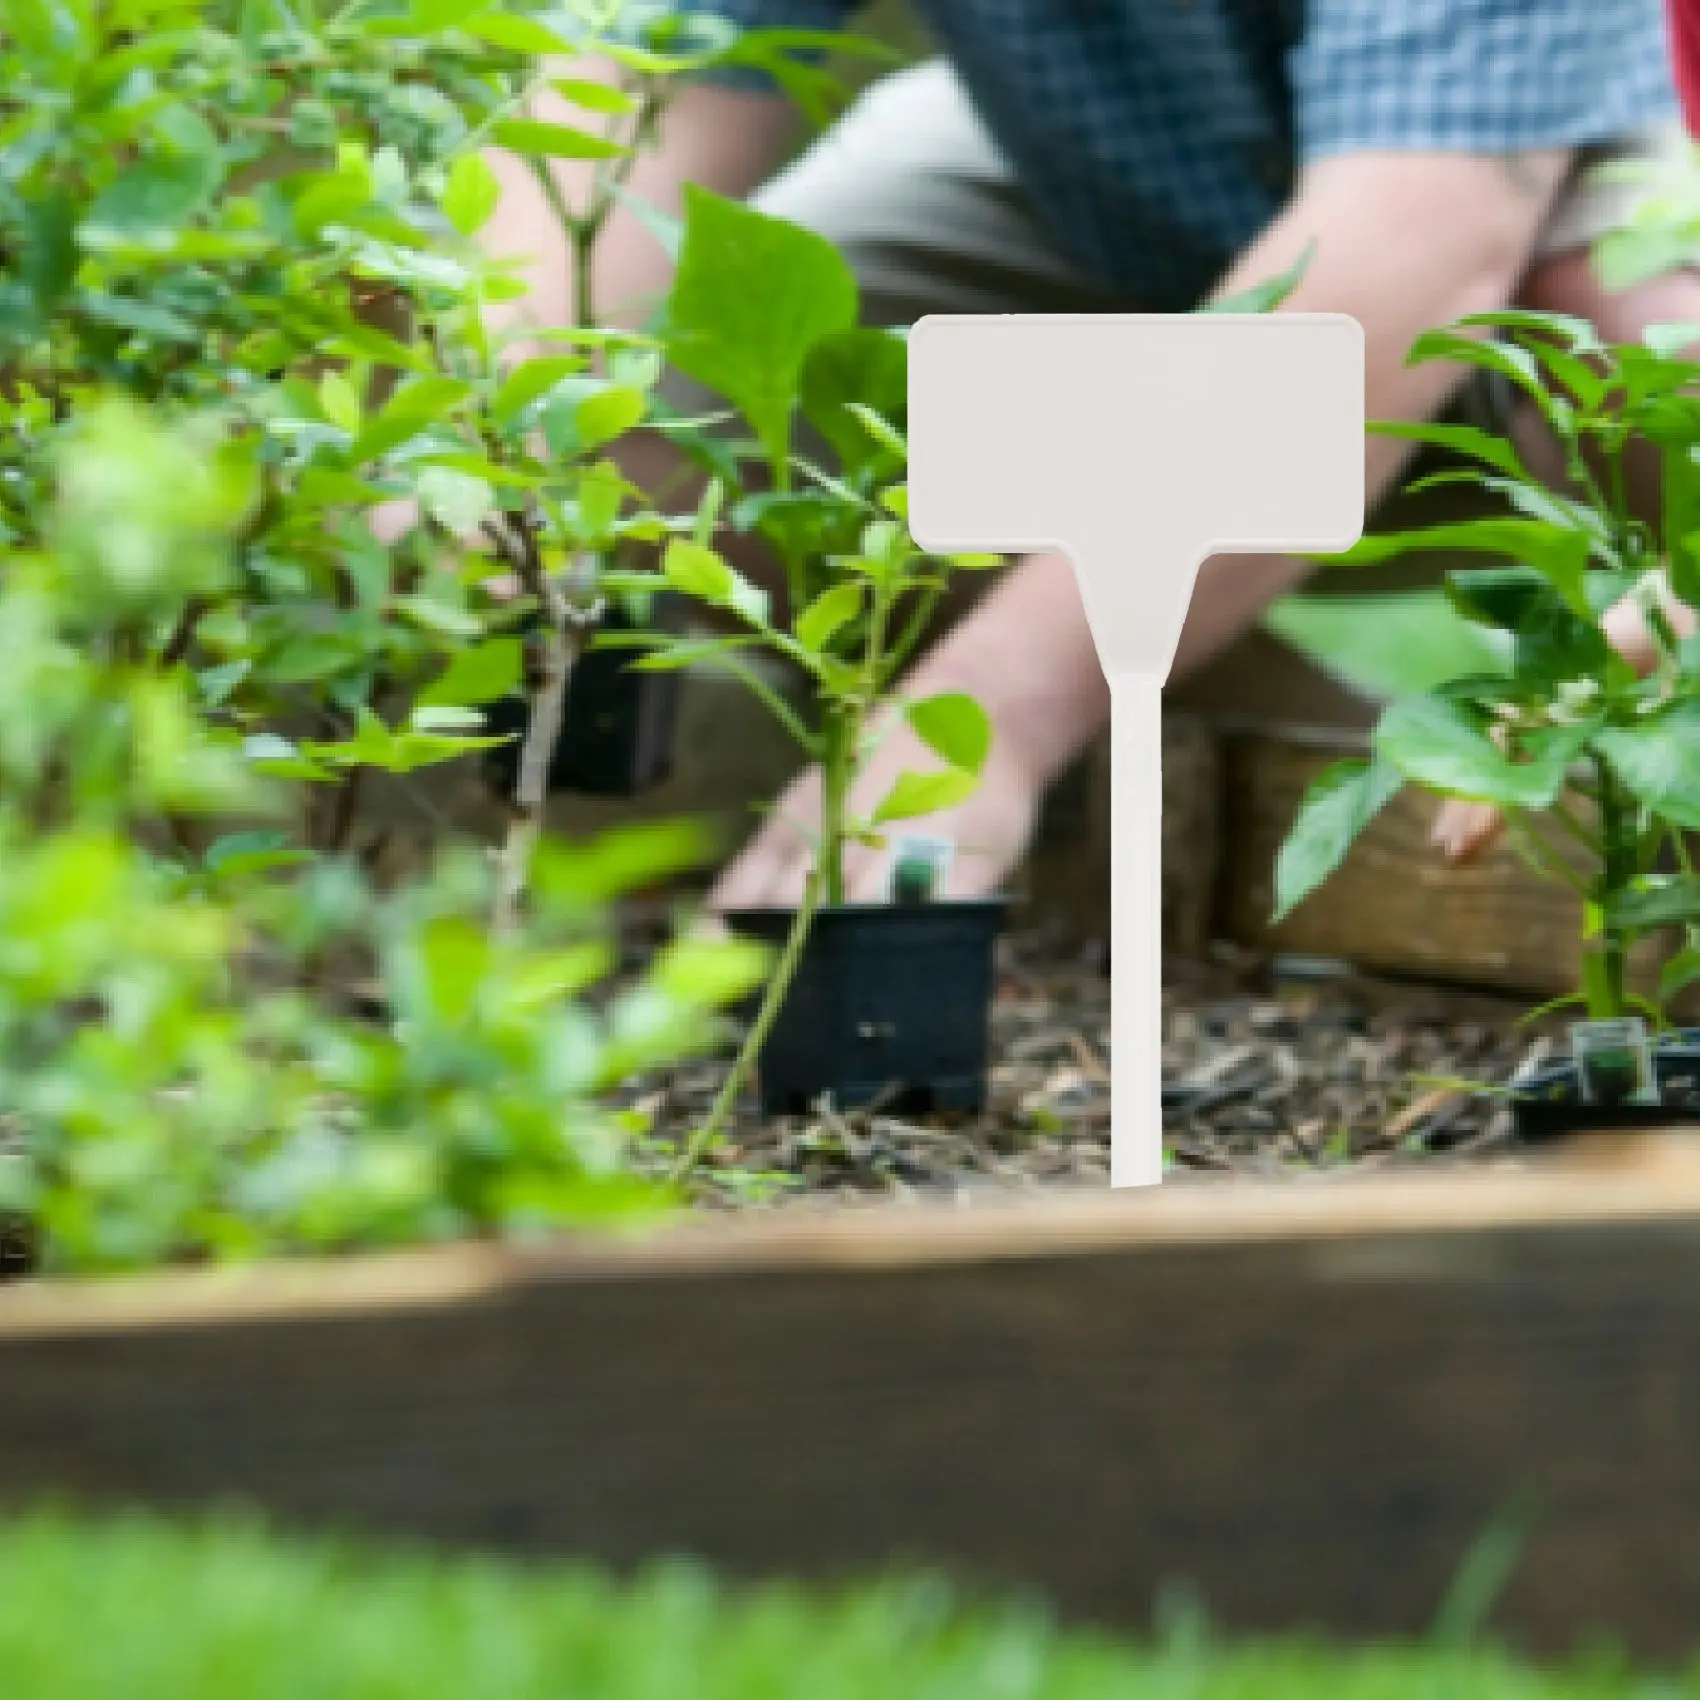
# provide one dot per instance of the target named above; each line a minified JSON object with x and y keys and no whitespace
{"x":745,"y":881}
{"x":1462,"y":831}
{"x":769,"y":866}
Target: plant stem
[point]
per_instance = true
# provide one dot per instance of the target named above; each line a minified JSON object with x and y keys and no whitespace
{"x":839,"y":743}
{"x":784,"y":972}
{"x":1617,"y":868}
{"x":560,"y":649}
{"x":584,"y":309}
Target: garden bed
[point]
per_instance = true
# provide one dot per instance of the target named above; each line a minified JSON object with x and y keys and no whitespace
{"x":1305,"y":1401}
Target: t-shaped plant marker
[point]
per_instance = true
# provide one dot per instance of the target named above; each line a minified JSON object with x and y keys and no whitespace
{"x":1137,"y":446}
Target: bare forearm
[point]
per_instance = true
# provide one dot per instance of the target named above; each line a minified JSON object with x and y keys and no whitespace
{"x":1401,"y":245}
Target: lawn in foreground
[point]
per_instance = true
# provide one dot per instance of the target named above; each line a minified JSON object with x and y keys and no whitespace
{"x":138,"y":1609}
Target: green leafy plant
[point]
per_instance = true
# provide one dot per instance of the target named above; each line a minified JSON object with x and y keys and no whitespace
{"x":255,"y":1051}
{"x":766,"y":314}
{"x":270,"y":213}
{"x":1595,"y":768}
{"x":262,"y":224}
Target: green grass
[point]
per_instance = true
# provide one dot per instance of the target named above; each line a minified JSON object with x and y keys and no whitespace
{"x":137,"y":1610}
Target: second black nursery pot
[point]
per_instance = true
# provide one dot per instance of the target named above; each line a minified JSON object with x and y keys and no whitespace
{"x":890,"y":1003}
{"x":616,"y":729}
{"x":1549,"y":1103}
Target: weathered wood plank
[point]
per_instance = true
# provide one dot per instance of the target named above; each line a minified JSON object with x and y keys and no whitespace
{"x":1395,"y":906}
{"x":1305,"y":1400}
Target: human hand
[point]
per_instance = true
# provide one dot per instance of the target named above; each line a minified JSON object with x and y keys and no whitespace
{"x":991,"y":829}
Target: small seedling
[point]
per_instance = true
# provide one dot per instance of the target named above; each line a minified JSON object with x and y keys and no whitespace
{"x":766,"y":314}
{"x":1592,"y":764}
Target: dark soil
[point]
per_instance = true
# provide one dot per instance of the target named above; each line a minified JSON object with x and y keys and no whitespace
{"x":1270,"y":1069}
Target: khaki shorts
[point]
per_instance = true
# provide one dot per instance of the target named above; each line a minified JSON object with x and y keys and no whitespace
{"x":912,"y":190}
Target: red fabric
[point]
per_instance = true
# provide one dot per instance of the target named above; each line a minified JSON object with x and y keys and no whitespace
{"x":1685,"y":56}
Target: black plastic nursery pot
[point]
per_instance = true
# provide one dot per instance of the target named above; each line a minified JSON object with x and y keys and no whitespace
{"x":1549,"y":1103}
{"x":616,"y":729}
{"x":890,"y":1004}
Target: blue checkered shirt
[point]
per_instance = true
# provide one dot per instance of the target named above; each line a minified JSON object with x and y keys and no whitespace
{"x":1157,"y":137}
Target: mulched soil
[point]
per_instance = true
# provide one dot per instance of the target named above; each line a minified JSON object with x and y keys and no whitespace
{"x":1270,"y":1070}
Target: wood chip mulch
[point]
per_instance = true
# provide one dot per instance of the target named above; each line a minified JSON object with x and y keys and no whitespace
{"x":1270,"y":1070}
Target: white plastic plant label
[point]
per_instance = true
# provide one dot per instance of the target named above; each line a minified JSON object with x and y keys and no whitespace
{"x":1138,"y":446}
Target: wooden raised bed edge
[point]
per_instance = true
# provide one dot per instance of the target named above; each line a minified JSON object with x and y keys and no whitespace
{"x":1303,"y":1400}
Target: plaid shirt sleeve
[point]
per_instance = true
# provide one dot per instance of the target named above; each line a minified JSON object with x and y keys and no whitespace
{"x":1478,"y":76}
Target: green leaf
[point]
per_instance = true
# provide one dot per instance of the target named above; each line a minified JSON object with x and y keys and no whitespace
{"x":1436,"y":744}
{"x":1561,"y":344}
{"x":1266,"y":297}
{"x":1681,"y":972}
{"x":1566,"y":331}
{"x":609,"y":414}
{"x":457,"y":501}
{"x":242,"y":853}
{"x":1680,"y":485}
{"x":862,"y":366}
{"x":954,"y":727}
{"x":1467,"y":440}
{"x":1500,"y":597}
{"x":414,"y":408}
{"x":530,"y":36}
{"x":710,"y":973}
{"x":1633,"y":255}
{"x":881,"y":430}
{"x":698,"y":571}
{"x":151,"y":202}
{"x":752,"y":297}
{"x":624,"y":859}
{"x":341,"y":405}
{"x":1658,"y":760}
{"x":916,"y":794}
{"x":529,"y":382}
{"x":431,"y":614}
{"x":1561,"y":556}
{"x":537,"y":140}
{"x":1510,"y":360}
{"x":1342,"y":800}
{"x":594,"y":96}
{"x":278,"y":757}
{"x":828,"y":614}
{"x":1389,"y":646}
{"x":472,"y":194}
{"x":1669,"y":901}
{"x":481,"y":674}
{"x":550,"y":976}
